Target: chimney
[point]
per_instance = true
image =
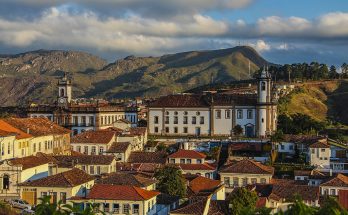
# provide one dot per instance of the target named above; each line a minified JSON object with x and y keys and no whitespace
{"x":330,"y":172}
{"x":28,"y":131}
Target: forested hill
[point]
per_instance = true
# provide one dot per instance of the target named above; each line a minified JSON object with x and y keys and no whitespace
{"x":32,"y":76}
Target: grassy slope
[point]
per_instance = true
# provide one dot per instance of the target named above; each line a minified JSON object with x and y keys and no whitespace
{"x":320,"y":100}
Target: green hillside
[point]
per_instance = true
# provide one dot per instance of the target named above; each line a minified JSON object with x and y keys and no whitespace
{"x":33,"y":75}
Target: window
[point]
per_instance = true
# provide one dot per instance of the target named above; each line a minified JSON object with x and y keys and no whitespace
{"x":126,"y":208}
{"x":91,"y":170}
{"x":53,"y":197}
{"x":5,"y":182}
{"x":333,"y":192}
{"x":291,"y":147}
{"x":86,"y":150}
{"x":239,"y":114}
{"x":182,"y":160}
{"x":176,"y":113}
{"x":199,"y":161}
{"x":175,"y":120}
{"x":156,"y":129}
{"x":201,"y":121}
{"x":235,"y":182}
{"x":227,"y":114}
{"x":172,"y":160}
{"x":43,"y":194}
{"x":198,"y":113}
{"x":167,"y":129}
{"x":185,"y":130}
{"x":193,"y":120}
{"x":322,"y":150}
{"x":45,"y":145}
{"x":166,"y":120}
{"x":156,"y":119}
{"x":175,"y":130}
{"x":263,"y":86}
{"x":218,"y":114}
{"x":253,"y":181}
{"x":78,"y":148}
{"x":245,"y":181}
{"x":313,"y":151}
{"x":189,"y":161}
{"x":106,"y":207}
{"x":185,"y":112}
{"x":262,"y":120}
{"x":83,"y":168}
{"x":63,"y":197}
{"x":102,"y":120}
{"x":83,"y":120}
{"x":249,"y":114}
{"x":40,"y":147}
{"x":263,"y":181}
{"x":227,"y":181}
{"x":34,"y":148}
{"x":282,"y":147}
{"x":93,"y":151}
{"x":91,"y":120}
{"x":116,"y":208}
{"x":76,"y":120}
{"x":135,"y":209}
{"x":101,"y":150}
{"x":185,"y":120}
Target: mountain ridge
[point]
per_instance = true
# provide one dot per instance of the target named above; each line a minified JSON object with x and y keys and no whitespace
{"x":37,"y":71}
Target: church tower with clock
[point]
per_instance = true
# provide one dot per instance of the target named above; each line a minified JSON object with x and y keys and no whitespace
{"x":64,"y":91}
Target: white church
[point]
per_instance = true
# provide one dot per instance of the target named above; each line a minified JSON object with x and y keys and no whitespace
{"x":216,"y":114}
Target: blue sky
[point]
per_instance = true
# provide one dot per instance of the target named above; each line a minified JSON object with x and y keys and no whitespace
{"x":283,"y":31}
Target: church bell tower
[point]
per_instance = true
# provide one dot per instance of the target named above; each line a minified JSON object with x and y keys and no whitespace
{"x":64,"y":91}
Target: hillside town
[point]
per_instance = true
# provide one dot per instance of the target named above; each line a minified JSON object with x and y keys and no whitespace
{"x":195,"y":154}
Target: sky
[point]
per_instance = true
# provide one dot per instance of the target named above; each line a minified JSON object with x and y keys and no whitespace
{"x":282,"y":31}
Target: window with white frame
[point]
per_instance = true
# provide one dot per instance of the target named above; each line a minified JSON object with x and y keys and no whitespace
{"x":239,"y":114}
{"x":249,"y":114}
{"x":218,"y":114}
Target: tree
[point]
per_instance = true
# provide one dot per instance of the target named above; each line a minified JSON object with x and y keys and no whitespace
{"x":170,"y":181}
{"x":331,"y":206}
{"x":161,"y":147}
{"x":237,"y":130}
{"x":242,"y":200}
{"x":278,"y":136}
{"x":300,"y":208}
{"x":333,"y":73}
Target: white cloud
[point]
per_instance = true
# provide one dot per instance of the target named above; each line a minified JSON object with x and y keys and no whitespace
{"x":261,"y":46}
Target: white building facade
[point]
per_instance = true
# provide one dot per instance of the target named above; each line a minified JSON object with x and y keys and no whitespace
{"x":215,"y":114}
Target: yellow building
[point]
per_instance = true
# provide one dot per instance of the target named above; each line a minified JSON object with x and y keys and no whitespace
{"x":245,"y":172}
{"x":36,"y":135}
{"x":61,"y":186}
{"x":119,"y":199}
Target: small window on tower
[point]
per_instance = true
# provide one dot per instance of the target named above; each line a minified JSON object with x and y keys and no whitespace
{"x":62,"y":92}
{"x":263,"y":86}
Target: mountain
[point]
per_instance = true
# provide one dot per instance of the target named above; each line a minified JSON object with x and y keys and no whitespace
{"x":32,"y":76}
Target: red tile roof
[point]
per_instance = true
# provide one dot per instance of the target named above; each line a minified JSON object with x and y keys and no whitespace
{"x":338,"y":181}
{"x":181,"y":153}
{"x":6,"y":127}
{"x":120,"y":192}
{"x":203,"y":184}
{"x":148,"y":157}
{"x":37,"y":126}
{"x":203,"y":166}
{"x":6,"y":133}
{"x":70,"y":161}
{"x":319,"y":144}
{"x":29,"y":161}
{"x":94,"y":137}
{"x":249,"y":167}
{"x":126,"y":179}
{"x":69,"y":178}
{"x":118,"y":147}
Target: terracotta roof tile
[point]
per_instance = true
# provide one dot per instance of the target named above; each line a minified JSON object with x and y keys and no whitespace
{"x":218,"y":207}
{"x":120,"y":192}
{"x":249,"y":167}
{"x":126,"y":179}
{"x":194,"y":208}
{"x":7,"y":133}
{"x":6,"y":127}
{"x":319,"y":144}
{"x":70,"y":161}
{"x":203,"y":184}
{"x":343,"y":198}
{"x":69,"y":178}
{"x":118,"y":147}
{"x":37,"y":126}
{"x":94,"y":137}
{"x":203,"y":166}
{"x":338,"y":181}
{"x":138,"y":167}
{"x":181,"y":153}
{"x":148,"y":157}
{"x":29,"y":161}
